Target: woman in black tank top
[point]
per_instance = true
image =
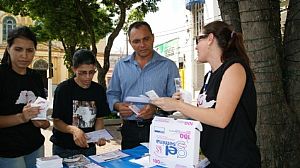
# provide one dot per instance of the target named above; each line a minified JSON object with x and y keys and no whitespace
{"x":226,"y":105}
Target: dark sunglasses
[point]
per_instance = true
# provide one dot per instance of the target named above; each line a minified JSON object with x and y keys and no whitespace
{"x":198,"y":38}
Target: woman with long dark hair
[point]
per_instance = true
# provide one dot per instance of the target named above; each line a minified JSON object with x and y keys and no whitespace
{"x":21,"y":140}
{"x":226,"y":105}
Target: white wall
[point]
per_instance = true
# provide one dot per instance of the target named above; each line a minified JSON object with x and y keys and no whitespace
{"x":211,"y":13}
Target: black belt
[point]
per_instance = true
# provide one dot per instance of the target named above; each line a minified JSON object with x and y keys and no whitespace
{"x":138,"y":123}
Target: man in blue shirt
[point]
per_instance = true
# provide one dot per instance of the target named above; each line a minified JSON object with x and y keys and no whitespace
{"x":134,"y":75}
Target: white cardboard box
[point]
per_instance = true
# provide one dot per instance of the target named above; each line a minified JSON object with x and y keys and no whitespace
{"x":174,"y":142}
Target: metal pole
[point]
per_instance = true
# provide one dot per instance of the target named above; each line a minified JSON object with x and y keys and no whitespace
{"x":50,"y":74}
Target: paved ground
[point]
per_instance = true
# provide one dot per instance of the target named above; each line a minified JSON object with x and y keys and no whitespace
{"x":113,"y":145}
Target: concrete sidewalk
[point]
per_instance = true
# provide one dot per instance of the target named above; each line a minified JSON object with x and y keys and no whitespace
{"x":111,"y":146}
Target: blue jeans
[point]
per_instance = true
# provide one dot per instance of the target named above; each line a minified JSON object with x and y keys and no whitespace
{"x":26,"y":161}
{"x":64,"y":152}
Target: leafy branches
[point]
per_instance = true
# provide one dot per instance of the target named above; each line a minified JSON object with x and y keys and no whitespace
{"x":80,"y":23}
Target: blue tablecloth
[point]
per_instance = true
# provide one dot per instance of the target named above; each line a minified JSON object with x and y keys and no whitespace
{"x":134,"y":153}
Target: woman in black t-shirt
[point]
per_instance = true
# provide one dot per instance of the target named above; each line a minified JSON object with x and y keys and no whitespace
{"x":227,"y":101}
{"x":21,"y":140}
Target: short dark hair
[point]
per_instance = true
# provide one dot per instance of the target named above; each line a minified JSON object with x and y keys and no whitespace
{"x":83,"y":56}
{"x":137,"y":25}
{"x":18,"y":32}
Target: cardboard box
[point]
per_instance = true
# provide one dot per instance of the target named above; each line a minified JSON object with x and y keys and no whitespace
{"x":174,"y":142}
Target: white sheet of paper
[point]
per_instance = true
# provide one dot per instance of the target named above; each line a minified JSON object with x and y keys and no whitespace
{"x":152,"y":94}
{"x":94,"y":136}
{"x":44,"y":105}
{"x":117,"y":154}
{"x":141,"y":99}
{"x":186,"y":96}
{"x":144,"y":161}
{"x":135,"y":109}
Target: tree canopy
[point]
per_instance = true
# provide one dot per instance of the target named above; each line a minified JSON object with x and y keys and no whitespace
{"x":80,"y":24}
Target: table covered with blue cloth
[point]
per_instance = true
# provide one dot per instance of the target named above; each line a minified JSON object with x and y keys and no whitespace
{"x":134,"y":153}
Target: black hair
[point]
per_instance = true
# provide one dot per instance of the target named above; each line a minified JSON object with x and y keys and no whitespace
{"x":18,"y":32}
{"x":230,"y":42}
{"x":83,"y":56}
{"x":137,"y":25}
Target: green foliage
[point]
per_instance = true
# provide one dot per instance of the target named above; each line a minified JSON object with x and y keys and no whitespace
{"x":138,"y":13}
{"x":79,"y":23}
{"x":134,"y":15}
{"x":61,"y":20}
{"x":112,"y":116}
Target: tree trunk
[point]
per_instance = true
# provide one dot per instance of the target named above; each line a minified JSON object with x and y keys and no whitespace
{"x":261,"y":35}
{"x":230,"y":13}
{"x":291,"y":74}
{"x":292,"y":57}
{"x":102,"y":72}
{"x":69,"y":52}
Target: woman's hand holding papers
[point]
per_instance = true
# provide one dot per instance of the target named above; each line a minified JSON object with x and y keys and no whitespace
{"x":177,"y":96}
{"x":29,"y":112}
{"x":166,"y":103}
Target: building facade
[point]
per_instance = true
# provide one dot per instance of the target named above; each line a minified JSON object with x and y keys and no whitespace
{"x":41,"y":59}
{"x":40,"y":62}
{"x":194,"y":71}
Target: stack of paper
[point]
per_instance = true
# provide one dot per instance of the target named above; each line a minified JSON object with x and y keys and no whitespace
{"x":105,"y":157}
{"x":43,"y":105}
{"x":49,"y":162}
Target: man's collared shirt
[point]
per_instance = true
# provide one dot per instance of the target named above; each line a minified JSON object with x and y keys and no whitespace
{"x":129,"y":79}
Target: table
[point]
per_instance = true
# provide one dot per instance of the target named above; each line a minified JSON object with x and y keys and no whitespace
{"x":134,"y":153}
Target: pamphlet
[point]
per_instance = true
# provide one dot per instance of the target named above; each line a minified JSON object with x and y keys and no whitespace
{"x":140,"y":99}
{"x":94,"y":136}
{"x":152,"y":94}
{"x":135,"y":109}
{"x":43,"y":105}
